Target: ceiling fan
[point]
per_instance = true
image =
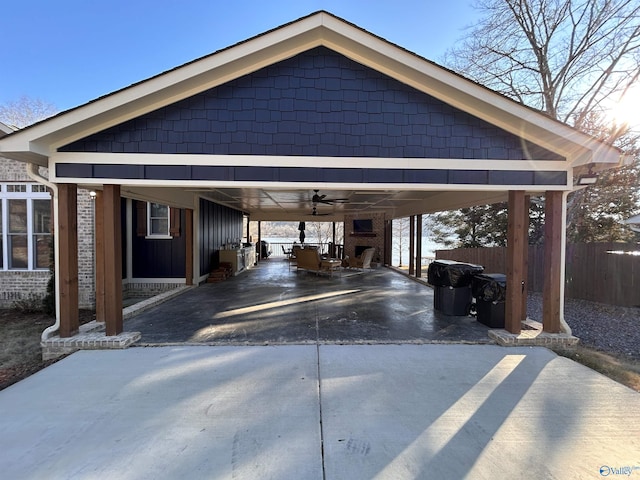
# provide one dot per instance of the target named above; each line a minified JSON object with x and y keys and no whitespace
{"x":315,"y":213}
{"x":317,"y":198}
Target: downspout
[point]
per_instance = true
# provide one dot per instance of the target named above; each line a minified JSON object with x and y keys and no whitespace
{"x":33,"y":173}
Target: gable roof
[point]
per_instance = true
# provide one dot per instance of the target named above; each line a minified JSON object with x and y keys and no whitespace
{"x":35,"y":143}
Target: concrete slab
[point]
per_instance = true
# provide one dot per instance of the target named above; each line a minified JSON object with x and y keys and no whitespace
{"x":151,"y":413}
{"x":454,"y":411}
{"x":319,"y":411}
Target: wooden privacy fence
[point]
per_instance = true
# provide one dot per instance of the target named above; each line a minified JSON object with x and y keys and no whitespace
{"x":600,"y":272}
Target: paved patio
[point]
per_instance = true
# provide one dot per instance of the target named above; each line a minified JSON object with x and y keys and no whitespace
{"x":272,"y":304}
{"x":319,"y":412}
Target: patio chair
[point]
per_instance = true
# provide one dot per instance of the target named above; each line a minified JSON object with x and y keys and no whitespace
{"x":364,"y":260}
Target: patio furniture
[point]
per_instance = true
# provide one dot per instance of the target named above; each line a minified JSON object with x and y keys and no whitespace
{"x":363,"y":261}
{"x":330,"y":265}
{"x":309,"y":259}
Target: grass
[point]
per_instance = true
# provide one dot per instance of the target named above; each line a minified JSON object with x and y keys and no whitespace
{"x":20,"y":352}
{"x":623,"y":370}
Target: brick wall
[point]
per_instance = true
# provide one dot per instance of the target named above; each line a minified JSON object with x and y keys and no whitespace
{"x":146,"y":290}
{"x":377,"y":241}
{"x":86,"y":258}
{"x":32,"y":285}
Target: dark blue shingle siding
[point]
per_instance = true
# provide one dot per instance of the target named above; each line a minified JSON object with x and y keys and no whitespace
{"x":318,"y":103}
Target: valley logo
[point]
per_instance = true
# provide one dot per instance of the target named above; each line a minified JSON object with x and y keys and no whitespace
{"x":606,"y":470}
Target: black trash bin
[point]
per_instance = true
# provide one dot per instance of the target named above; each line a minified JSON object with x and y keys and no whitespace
{"x":449,"y":273}
{"x":490,"y":292}
{"x":451,"y":281}
{"x":452,"y":300}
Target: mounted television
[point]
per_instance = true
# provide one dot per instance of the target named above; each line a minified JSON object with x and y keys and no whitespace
{"x":363,"y":226}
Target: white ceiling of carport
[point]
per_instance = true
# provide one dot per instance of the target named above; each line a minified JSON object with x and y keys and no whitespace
{"x":296,"y":204}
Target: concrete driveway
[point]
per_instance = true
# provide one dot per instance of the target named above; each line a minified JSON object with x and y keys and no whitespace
{"x":319,"y":412}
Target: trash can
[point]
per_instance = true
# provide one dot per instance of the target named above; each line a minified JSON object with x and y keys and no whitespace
{"x":452,"y":300}
{"x":449,"y":273}
{"x":490,"y":292}
{"x":452,"y":285}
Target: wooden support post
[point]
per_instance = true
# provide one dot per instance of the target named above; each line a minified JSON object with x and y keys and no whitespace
{"x":332,"y":254}
{"x":419,"y":246}
{"x":188,"y":271}
{"x":525,"y":257}
{"x":412,"y":244}
{"x":553,"y":264}
{"x":113,"y":260}
{"x":67,"y":267}
{"x":388,"y":232}
{"x":515,"y":244}
{"x":98,"y":212}
{"x":259,"y":243}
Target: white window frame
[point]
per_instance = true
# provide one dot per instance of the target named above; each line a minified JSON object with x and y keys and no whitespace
{"x":150,"y":233}
{"x":29,"y":195}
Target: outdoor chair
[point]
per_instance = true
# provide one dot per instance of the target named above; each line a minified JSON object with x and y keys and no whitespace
{"x":364,"y":260}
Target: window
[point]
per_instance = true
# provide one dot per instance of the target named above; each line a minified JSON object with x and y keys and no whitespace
{"x":157,"y":220}
{"x":25,"y":227}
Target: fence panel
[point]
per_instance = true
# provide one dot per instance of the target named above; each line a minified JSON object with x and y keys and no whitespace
{"x":593,"y":271}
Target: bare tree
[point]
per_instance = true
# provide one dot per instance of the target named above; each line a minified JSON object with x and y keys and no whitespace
{"x":573,"y":60}
{"x":400,"y":229}
{"x":26,"y":111}
{"x":320,"y":232}
{"x":566,"y":58}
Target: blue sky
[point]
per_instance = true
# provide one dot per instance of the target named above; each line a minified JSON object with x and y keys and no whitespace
{"x":68,"y":52}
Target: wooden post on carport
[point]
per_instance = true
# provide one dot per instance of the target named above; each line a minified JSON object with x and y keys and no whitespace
{"x":388,"y":232}
{"x":553,"y":261}
{"x":67,"y":267}
{"x":419,"y":246}
{"x":189,"y":246}
{"x":525,"y":257}
{"x":516,"y":242}
{"x":112,"y":266}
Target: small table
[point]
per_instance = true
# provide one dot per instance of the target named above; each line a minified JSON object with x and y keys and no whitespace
{"x":330,"y":264}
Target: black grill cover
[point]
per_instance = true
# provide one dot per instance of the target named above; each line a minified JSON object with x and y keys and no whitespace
{"x":449,"y":273}
{"x":489,"y":287}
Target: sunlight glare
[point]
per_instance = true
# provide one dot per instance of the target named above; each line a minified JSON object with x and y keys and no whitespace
{"x":626,"y":111}
{"x":281,"y":303}
{"x":451,"y":422}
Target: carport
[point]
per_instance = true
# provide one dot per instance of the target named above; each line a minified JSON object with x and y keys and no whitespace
{"x":255,"y":128}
